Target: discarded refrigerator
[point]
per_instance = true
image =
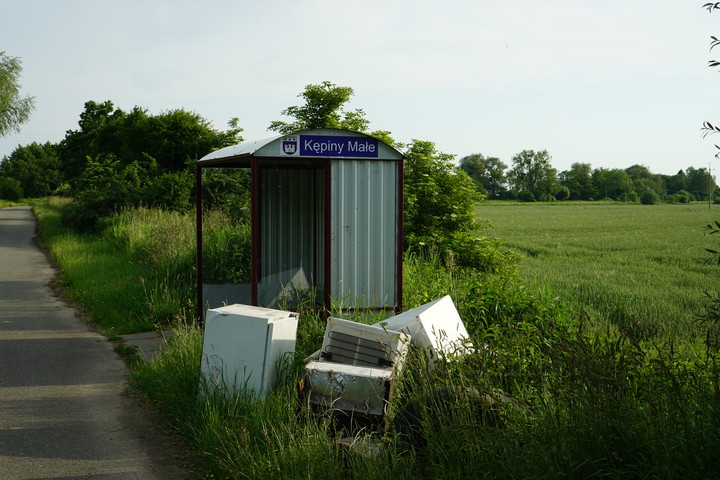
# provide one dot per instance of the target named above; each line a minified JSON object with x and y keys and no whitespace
{"x":366,"y":345}
{"x":353,"y":392}
{"x":243,"y":345}
{"x":436,"y":327}
{"x":357,"y":374}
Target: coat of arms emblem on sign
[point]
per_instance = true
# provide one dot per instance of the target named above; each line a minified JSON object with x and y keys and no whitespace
{"x":289,"y":145}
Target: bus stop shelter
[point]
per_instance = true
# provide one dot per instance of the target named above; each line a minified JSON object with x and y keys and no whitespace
{"x":326,"y":216}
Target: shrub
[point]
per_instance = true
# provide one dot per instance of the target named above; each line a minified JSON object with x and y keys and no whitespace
{"x":440,"y":210}
{"x":630,"y":197}
{"x":10,"y":189}
{"x":563,"y":193}
{"x":104,"y":188}
{"x":526,"y":196}
{"x":171,"y":190}
{"x":108,"y":186}
{"x":684,"y":196}
{"x":649,"y":197}
{"x":227,"y":190}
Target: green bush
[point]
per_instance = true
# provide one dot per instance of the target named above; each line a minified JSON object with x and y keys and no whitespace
{"x":171,"y":190}
{"x":526,"y":196}
{"x":685,"y":197}
{"x":10,"y":189}
{"x":631,"y":197}
{"x":439,"y":212}
{"x":107,"y":186}
{"x":227,"y":190}
{"x":563,"y":194}
{"x":649,"y":197}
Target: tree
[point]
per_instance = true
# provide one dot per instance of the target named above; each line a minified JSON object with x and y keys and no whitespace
{"x":118,"y":159}
{"x":715,"y":41}
{"x":675,"y":183}
{"x":14,"y":109}
{"x":97,"y":136}
{"x":172,"y":138}
{"x":700,"y":182}
{"x":532,"y":172}
{"x":613,"y":183}
{"x":578,"y":180}
{"x":649,"y":197}
{"x":487,"y":172}
{"x":36,"y":167}
{"x":643,"y":179}
{"x":323,"y":108}
{"x":10,"y":189}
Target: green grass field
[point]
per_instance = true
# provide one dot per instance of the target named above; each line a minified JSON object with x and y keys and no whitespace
{"x":637,"y":266}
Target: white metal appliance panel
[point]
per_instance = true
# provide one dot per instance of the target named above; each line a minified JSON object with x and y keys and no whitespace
{"x":242,"y":344}
{"x":366,"y":345}
{"x":349,"y":388}
{"x":436,"y":326}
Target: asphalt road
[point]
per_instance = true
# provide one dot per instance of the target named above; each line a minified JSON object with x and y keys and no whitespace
{"x":64,"y":413}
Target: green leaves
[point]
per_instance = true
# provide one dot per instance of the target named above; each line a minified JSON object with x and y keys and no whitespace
{"x":711,"y":229}
{"x":323,"y":108}
{"x":532,"y":172}
{"x":14,"y":109}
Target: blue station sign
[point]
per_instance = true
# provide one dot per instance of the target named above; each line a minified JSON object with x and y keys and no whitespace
{"x":330,"y":146}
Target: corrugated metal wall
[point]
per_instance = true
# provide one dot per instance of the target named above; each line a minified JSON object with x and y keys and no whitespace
{"x":292,"y":225}
{"x":364,"y":233}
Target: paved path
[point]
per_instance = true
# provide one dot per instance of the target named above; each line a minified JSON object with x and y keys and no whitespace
{"x":63,"y":411}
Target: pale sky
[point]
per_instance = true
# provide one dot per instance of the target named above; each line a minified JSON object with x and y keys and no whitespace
{"x":611,"y":83}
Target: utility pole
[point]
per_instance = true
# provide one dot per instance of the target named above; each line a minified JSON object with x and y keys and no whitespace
{"x":711,"y":185}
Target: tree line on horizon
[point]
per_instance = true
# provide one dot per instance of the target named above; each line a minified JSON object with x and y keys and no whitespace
{"x":531,"y":177}
{"x":117,"y":160}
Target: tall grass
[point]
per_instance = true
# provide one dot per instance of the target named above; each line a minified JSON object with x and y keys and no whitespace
{"x":549,"y":392}
{"x":21,"y":202}
{"x":541,"y":397}
{"x":135,"y":276}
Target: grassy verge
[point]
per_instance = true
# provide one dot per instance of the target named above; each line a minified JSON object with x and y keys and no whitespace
{"x":547,"y":394}
{"x":22,"y":202}
{"x":126,"y":282}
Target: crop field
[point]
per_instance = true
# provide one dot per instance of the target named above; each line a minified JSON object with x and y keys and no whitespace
{"x":636,"y":267}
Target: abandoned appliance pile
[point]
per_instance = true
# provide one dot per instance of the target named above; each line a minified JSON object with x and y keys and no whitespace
{"x":355,"y":373}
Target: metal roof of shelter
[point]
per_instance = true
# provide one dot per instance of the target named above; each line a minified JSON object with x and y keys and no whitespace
{"x":277,"y":147}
